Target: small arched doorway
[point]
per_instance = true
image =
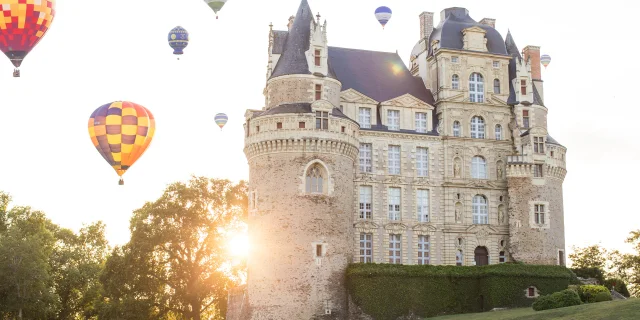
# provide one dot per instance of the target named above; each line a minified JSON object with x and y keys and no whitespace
{"x":482,"y":256}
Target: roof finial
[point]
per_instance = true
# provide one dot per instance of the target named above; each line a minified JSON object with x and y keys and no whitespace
{"x":318,"y":16}
{"x":270,"y":26}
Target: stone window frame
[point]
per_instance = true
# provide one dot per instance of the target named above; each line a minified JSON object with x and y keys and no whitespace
{"x":397,"y":252}
{"x":496,"y":64}
{"x":476,"y":81}
{"x":423,"y":260}
{"x":327,"y":181}
{"x":362,"y":161}
{"x":564,"y":260}
{"x":363,"y":258}
{"x":457,"y":129}
{"x":398,"y":160}
{"x":424,"y":123}
{"x":477,"y":210}
{"x":428,"y":206}
{"x":538,"y":170}
{"x":526,"y":116}
{"x":370,"y":228}
{"x":324,"y":247}
{"x":362,"y":116}
{"x":527,"y":294}
{"x":323,"y":116}
{"x":498,"y":132}
{"x":397,"y":213}
{"x":455,"y":82}
{"x":455,"y":59}
{"x":547,"y":215}
{"x":396,"y":126}
{"x":363,"y":213}
{"x":253,"y":200}
{"x":496,"y":86}
{"x":459,"y":257}
{"x":502,"y":256}
{"x":538,"y":144}
{"x":477,"y":127}
{"x":476,"y":167}
{"x":424,"y":170}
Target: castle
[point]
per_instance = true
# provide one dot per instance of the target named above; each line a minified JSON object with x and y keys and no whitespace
{"x":356,"y":158}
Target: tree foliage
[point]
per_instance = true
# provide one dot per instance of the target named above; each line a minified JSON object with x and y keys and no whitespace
{"x":593,"y":256}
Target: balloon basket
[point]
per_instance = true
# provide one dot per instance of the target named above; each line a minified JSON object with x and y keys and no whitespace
{"x":16,"y":73}
{"x":121,"y":182}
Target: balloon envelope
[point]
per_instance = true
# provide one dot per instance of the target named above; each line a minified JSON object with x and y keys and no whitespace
{"x":178,"y":39}
{"x":383,"y":14}
{"x":545,"y":59}
{"x":121,"y":131}
{"x":221,"y":119}
{"x":22,"y":25}
{"x":215,"y":5}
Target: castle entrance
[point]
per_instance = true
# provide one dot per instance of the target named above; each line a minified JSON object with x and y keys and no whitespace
{"x":482,"y":256}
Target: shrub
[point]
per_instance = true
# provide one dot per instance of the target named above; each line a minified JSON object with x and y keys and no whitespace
{"x":602,"y":296}
{"x":596,"y":273}
{"x":564,"y":298}
{"x":387,"y":291}
{"x":617,"y":284}
{"x":588,"y":292}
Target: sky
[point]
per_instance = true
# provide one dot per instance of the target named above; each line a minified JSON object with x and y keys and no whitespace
{"x":95,"y":53}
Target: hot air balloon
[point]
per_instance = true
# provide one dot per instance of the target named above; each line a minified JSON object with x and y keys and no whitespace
{"x":383,"y":14}
{"x":121,"y":131}
{"x":22,"y":25}
{"x":221,"y":119}
{"x":216,"y":5}
{"x":178,"y":40}
{"x":545,"y":60}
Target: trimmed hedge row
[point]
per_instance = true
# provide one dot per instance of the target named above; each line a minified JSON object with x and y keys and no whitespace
{"x":387,"y":291}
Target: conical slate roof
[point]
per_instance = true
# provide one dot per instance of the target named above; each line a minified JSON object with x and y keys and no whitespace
{"x":293,"y":60}
{"x":512,"y":50}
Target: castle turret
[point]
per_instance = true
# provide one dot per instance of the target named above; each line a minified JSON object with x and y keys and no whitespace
{"x":301,"y":151}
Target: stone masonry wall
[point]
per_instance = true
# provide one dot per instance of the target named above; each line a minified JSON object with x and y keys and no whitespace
{"x":300,"y":88}
{"x":529,"y":243}
{"x":283,"y":273}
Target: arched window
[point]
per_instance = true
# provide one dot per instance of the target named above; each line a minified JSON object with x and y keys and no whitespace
{"x":496,"y":86}
{"x":459,"y":258}
{"x":456,"y":129}
{"x":480,"y":212}
{"x":455,"y":82}
{"x":476,"y":88}
{"x":477,"y":128}
{"x":315,"y":179}
{"x":479,"y":168}
{"x":498,"y":132}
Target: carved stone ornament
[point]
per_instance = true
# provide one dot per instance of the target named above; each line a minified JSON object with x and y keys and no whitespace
{"x":366,"y":226}
{"x":395,"y":179}
{"x":365,"y":177}
{"x":482,"y":233}
{"x":424,"y":229}
{"x":395,"y":228}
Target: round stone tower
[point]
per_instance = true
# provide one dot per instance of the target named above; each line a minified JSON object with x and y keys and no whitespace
{"x":301,"y":151}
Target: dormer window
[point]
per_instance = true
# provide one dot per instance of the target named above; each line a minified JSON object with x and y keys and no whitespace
{"x":538,"y":145}
{"x":525,"y":118}
{"x":318,"y":91}
{"x":317,"y":57}
{"x":393,"y":119}
{"x":322,"y":120}
{"x":523,"y":86}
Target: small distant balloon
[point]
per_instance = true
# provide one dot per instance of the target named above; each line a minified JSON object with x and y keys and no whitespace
{"x":383,"y":14}
{"x":545,"y":60}
{"x":215,"y":5}
{"x":221,"y":119}
{"x":178,"y":40}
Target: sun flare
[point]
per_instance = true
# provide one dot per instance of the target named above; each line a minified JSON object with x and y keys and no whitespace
{"x":238,"y":245}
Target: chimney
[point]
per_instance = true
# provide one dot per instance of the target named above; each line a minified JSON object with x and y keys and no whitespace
{"x":489,"y":22}
{"x":290,"y":22}
{"x":426,"y":24}
{"x":532,"y":54}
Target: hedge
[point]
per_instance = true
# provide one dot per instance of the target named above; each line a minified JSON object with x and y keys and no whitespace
{"x":560,"y":299}
{"x":588,"y":292}
{"x":387,"y":291}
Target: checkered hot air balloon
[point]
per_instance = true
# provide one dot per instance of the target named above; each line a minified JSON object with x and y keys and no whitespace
{"x":221,"y":119}
{"x":23,"y":23}
{"x":383,"y":14}
{"x":178,"y":40}
{"x":545,"y":59}
{"x":121,"y":131}
{"x":215,"y":5}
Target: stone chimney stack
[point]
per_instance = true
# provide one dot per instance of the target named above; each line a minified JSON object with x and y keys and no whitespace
{"x":489,"y":22}
{"x":290,"y":23}
{"x":426,"y":24}
{"x":531,"y":55}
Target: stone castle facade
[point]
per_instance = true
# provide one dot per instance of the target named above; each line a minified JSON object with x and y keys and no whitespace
{"x":356,"y":158}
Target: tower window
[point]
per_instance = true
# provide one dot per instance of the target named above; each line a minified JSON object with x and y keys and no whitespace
{"x":525,"y":118}
{"x":523,"y":86}
{"x":318,"y":91}
{"x":257,"y":129}
{"x":315,"y":178}
{"x":476,"y":88}
{"x":537,"y":170}
{"x":279,"y":125}
{"x":496,"y":86}
{"x":538,"y":144}
{"x":318,"y":250}
{"x":322,"y":120}
{"x":301,"y":125}
{"x":317,"y":57}
{"x":539,"y":214}
{"x":561,"y":257}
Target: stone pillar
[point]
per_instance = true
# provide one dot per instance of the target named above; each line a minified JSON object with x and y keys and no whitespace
{"x":489,"y":22}
{"x":426,"y":24}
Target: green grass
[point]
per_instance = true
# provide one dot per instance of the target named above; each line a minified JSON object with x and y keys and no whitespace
{"x":609,"y":310}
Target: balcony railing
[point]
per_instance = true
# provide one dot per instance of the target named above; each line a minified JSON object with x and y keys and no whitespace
{"x":522,"y":158}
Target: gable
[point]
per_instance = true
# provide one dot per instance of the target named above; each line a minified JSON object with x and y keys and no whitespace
{"x":353,"y":96}
{"x":408,"y":101}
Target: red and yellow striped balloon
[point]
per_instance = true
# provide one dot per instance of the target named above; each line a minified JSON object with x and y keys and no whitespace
{"x":121,"y":131}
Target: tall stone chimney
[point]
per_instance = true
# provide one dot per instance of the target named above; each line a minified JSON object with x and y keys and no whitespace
{"x":426,"y":24}
{"x":489,"y":22}
{"x":531,"y":55}
{"x":290,"y":23}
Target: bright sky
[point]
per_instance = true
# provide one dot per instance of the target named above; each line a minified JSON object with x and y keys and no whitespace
{"x":98,"y":52}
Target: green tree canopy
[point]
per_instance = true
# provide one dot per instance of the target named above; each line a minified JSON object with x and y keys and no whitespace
{"x":593,"y":256}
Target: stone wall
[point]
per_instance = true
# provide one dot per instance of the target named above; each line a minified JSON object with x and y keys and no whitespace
{"x":530,"y":243}
{"x":284,"y":229}
{"x":300,"y":88}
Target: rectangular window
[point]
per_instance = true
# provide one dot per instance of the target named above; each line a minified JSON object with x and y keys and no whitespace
{"x":502,"y":258}
{"x":318,"y":91}
{"x":366,"y":248}
{"x":394,"y":159}
{"x":394,"y":204}
{"x":279,"y":125}
{"x":422,"y":201}
{"x":525,"y":118}
{"x":537,"y":171}
{"x":561,"y":257}
{"x":423,"y":250}
{"x":365,"y":118}
{"x":393,"y":119}
{"x":318,"y":250}
{"x":539,"y":213}
{"x":422,"y":162}
{"x":523,"y":86}
{"x":421,"y":122}
{"x":496,"y":64}
{"x":317,"y":56}
{"x":322,"y":120}
{"x":459,"y":258}
{"x":365,"y":202}
{"x":395,"y":248}
{"x":257,"y":129}
{"x":538,"y":145}
{"x":365,"y":157}
{"x":532,"y":292}
{"x":454,"y":59}
{"x":301,"y":125}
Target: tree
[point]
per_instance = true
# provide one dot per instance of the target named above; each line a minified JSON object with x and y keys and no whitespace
{"x":593,"y":256}
{"x":628,"y":265}
{"x":174,"y":264}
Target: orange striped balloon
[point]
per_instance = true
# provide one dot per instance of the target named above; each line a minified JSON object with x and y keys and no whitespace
{"x":121,"y":131}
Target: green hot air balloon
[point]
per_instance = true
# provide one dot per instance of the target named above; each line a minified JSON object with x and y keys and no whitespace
{"x":216,"y":5}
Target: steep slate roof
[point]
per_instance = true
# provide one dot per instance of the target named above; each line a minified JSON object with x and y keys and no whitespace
{"x":279,"y":38}
{"x":381,"y":76}
{"x":293,"y":60}
{"x":513,"y":51}
{"x":550,"y":140}
{"x":449,"y":31}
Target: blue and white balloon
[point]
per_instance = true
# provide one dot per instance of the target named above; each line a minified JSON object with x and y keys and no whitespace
{"x":383,"y":14}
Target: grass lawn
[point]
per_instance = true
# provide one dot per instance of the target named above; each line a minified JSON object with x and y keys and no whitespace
{"x":609,"y":310}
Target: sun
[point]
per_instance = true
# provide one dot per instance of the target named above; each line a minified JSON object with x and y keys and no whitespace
{"x":238,"y":245}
